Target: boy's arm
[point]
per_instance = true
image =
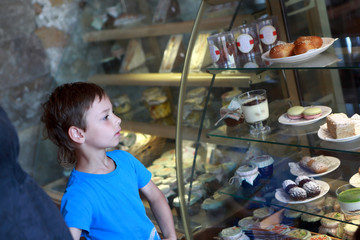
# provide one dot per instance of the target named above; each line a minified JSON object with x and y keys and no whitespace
{"x":160,"y":209}
{"x":75,"y":233}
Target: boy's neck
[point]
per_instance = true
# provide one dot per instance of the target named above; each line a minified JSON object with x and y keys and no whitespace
{"x":96,"y":163}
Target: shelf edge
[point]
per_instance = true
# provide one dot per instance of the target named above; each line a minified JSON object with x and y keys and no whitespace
{"x":173,"y":79}
{"x":155,"y":30}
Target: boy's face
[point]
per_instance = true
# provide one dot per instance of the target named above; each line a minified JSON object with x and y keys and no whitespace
{"x":102,"y":125}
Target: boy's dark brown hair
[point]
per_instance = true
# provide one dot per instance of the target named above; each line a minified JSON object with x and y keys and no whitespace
{"x":66,"y":107}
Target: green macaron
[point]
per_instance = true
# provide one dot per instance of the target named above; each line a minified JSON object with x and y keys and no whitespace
{"x":312,"y":112}
{"x":295,"y":112}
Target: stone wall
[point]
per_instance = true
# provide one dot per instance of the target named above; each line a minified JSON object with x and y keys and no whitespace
{"x":33,"y":35}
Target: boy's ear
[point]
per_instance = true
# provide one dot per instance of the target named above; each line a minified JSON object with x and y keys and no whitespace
{"x":76,"y":134}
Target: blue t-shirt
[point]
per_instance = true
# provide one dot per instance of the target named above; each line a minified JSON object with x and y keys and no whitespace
{"x":108,"y":206}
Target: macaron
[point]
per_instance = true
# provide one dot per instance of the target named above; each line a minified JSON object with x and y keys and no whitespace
{"x":295,"y":112}
{"x":312,"y":112}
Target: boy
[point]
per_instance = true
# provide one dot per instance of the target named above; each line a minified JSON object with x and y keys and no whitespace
{"x":102,"y":198}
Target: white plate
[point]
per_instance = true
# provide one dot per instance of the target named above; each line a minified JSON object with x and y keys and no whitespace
{"x":324,"y":134}
{"x":327,"y":42}
{"x":355,"y":180}
{"x":296,"y":170}
{"x":282,"y":196}
{"x":284,"y":119}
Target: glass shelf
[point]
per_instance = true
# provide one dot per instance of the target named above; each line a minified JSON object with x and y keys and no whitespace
{"x":295,"y":136}
{"x":344,"y":54}
{"x":267,"y":188}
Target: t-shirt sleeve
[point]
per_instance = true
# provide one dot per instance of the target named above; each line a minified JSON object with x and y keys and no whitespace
{"x":143,"y":175}
{"x":76,"y":210}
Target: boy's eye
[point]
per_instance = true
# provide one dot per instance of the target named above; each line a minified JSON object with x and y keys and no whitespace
{"x":106,"y":117}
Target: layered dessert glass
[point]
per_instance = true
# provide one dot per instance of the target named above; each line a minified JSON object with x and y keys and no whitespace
{"x":254,"y":105}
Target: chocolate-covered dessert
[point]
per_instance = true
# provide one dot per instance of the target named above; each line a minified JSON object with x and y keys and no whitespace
{"x":301,"y":180}
{"x":298,"y":193}
{"x":312,"y":188}
{"x":287,"y":185}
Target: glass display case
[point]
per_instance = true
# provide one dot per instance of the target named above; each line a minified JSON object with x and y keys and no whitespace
{"x":259,"y":189}
{"x":153,"y":59}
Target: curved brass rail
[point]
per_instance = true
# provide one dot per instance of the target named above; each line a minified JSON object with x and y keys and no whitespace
{"x":178,"y":145}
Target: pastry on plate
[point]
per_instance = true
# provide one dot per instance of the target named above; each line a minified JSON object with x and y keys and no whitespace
{"x":282,"y":50}
{"x":340,"y":126}
{"x":312,"y":112}
{"x":315,"y":40}
{"x":317,"y":164}
{"x":295,"y":112}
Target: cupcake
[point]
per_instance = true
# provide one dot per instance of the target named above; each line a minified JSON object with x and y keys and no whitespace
{"x":227,"y":201}
{"x":331,"y":224}
{"x":350,"y":229}
{"x":213,"y":207}
{"x":332,"y":219}
{"x":233,"y":233}
{"x":265,"y":165}
{"x":226,"y":193}
{"x":311,"y":220}
{"x":299,"y":234}
{"x":291,"y":215}
{"x":262,"y":213}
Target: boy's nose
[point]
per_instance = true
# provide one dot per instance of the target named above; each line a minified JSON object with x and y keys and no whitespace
{"x":118,"y":120}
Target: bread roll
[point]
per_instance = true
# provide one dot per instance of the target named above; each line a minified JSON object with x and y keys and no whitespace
{"x":303,"y":47}
{"x":282,"y":50}
{"x":315,"y":40}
